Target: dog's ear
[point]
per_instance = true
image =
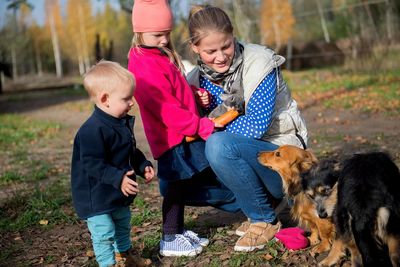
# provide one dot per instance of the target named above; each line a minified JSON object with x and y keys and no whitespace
{"x":309,"y":160}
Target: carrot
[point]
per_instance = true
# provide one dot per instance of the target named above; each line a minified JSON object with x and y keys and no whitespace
{"x":227,"y":117}
{"x":189,"y":139}
{"x":224,"y":119}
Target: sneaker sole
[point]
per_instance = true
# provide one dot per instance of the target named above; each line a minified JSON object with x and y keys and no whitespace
{"x":205,"y":243}
{"x":198,"y":249}
{"x":167,"y":253}
{"x":247,"y":249}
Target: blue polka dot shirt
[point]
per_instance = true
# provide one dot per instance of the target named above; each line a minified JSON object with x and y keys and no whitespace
{"x":255,"y":122}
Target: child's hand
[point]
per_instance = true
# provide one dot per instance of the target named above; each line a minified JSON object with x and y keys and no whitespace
{"x":148,"y":174}
{"x":129,"y":186}
{"x":218,"y":125}
{"x":203,"y":97}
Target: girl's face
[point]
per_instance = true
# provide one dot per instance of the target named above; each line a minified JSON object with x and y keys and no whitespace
{"x":159,"y":39}
{"x":216,"y":50}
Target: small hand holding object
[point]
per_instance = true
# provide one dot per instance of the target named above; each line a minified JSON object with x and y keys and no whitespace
{"x":204,"y":98}
{"x":129,"y":186}
{"x":148,"y":174}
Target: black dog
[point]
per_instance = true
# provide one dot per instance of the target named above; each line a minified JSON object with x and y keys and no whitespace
{"x":320,"y":185}
{"x":367,"y":212}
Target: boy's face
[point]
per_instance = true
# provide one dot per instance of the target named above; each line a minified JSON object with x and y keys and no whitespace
{"x":119,"y":102}
{"x":159,"y":39}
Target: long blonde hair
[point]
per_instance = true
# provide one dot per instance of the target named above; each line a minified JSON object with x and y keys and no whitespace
{"x":137,"y":41}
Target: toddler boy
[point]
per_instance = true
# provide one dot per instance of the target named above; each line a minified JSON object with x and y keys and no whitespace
{"x":105,"y":162}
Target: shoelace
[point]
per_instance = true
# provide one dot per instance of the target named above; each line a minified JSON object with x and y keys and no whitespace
{"x":183,"y":241}
{"x":192,"y":235}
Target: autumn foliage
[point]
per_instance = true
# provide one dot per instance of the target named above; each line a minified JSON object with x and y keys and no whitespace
{"x":276,"y":22}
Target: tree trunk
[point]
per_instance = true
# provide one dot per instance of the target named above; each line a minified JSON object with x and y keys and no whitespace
{"x":82,"y":33}
{"x":38,"y":61}
{"x":14,"y":62}
{"x":389,"y":20}
{"x":275,"y":27}
{"x":56,"y":46}
{"x":323,"y":22}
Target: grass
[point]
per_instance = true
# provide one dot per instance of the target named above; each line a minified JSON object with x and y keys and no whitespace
{"x":143,"y":212}
{"x":48,"y":205}
{"x":17,"y":130}
{"x":365,"y":91}
{"x":17,"y":134}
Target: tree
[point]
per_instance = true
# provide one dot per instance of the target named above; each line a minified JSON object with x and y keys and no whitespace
{"x":54,"y":22}
{"x":15,"y":6}
{"x":276,"y":23}
{"x":80,"y":28}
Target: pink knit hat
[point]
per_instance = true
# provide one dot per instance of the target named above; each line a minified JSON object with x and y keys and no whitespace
{"x":151,"y":16}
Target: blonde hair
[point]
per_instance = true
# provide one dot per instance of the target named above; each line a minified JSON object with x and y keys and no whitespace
{"x":137,"y":41}
{"x":106,"y":76}
{"x":207,"y":18}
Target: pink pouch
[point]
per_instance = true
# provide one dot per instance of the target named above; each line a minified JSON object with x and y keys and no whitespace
{"x":293,"y":238}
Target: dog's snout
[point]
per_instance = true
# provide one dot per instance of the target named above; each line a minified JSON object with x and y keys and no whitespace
{"x":322,"y":214}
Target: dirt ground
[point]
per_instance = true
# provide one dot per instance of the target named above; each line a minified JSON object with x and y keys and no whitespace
{"x":332,"y":133}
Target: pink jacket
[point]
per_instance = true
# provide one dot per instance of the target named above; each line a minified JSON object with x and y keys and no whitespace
{"x":166,"y":101}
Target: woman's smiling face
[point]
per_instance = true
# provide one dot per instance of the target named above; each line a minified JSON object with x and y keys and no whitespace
{"x":216,"y":50}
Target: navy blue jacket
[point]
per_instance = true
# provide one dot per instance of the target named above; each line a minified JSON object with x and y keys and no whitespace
{"x":104,"y":150}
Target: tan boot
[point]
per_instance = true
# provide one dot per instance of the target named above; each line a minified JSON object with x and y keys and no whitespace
{"x":129,"y":259}
{"x":257,"y":236}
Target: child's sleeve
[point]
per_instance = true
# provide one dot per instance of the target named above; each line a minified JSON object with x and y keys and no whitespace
{"x":93,"y":153}
{"x":260,"y":108}
{"x":140,"y":162}
{"x":164,"y":105}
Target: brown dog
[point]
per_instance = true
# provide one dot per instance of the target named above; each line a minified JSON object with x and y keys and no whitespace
{"x":290,"y":162}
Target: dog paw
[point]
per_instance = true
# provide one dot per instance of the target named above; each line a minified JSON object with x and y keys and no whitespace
{"x":325,"y":263}
{"x":320,"y":248}
{"x":313,"y":240}
{"x":330,"y":260}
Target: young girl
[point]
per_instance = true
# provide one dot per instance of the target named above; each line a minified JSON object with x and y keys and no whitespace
{"x":169,"y":113}
{"x":271,"y":118}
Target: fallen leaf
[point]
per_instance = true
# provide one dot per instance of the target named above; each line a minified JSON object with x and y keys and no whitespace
{"x":268,"y":257}
{"x":90,"y":253}
{"x":43,"y":222}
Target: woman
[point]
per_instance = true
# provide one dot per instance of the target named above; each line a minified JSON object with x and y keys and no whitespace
{"x":271,"y":118}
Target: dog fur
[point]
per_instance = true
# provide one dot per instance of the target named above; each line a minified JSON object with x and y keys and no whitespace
{"x":367,"y":211}
{"x":290,"y":162}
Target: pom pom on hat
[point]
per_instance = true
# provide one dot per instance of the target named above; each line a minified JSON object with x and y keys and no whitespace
{"x":292,"y":238}
{"x":151,"y":16}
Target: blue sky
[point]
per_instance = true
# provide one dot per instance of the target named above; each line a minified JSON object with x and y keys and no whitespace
{"x":38,"y":11}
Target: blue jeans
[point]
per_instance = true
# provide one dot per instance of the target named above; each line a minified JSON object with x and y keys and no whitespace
{"x":110,"y":233}
{"x":234,"y":160}
{"x":203,"y":189}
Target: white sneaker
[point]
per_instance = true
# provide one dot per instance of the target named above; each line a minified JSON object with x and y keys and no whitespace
{"x":180,"y":246}
{"x":194,"y":238}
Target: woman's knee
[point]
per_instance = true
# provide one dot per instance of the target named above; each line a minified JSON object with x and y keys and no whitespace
{"x":219,"y":145}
